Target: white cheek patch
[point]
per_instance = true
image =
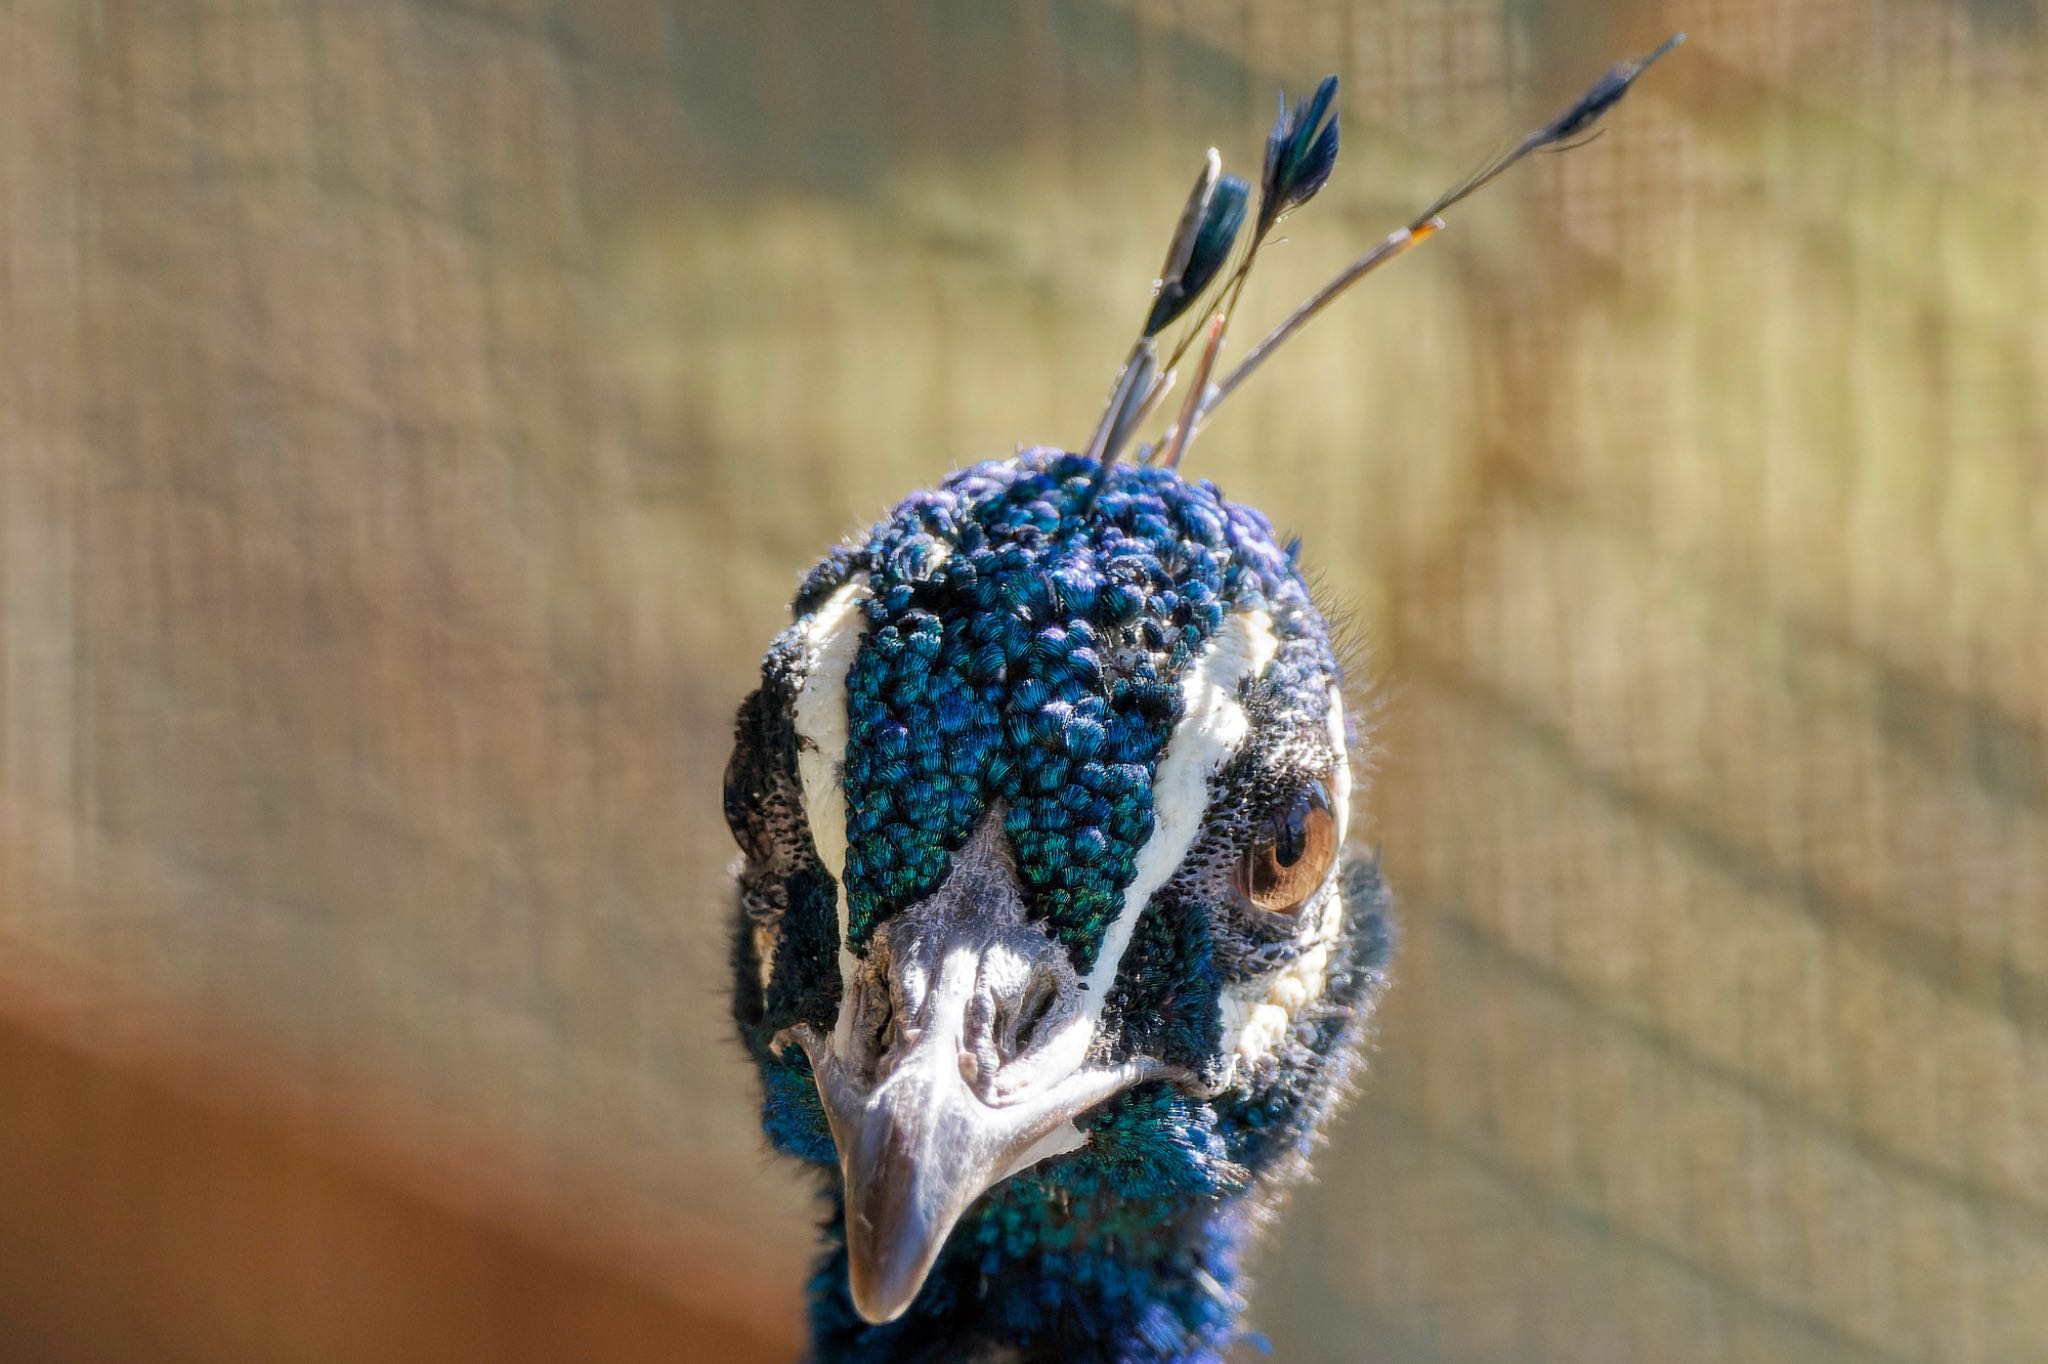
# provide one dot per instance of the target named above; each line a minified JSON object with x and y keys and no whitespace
{"x":1259,"y":1012}
{"x":1212,"y":727}
{"x":829,"y":639}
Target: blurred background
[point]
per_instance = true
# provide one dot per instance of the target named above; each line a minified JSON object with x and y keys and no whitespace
{"x":414,"y":416}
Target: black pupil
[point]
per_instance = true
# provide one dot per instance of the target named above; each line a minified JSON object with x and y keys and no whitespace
{"x":1290,"y":833}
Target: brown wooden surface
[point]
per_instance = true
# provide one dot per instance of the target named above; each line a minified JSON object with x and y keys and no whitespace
{"x":414,"y":413}
{"x":160,"y":1202}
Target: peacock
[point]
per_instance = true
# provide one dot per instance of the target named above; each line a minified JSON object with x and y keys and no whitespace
{"x":1053,"y":947}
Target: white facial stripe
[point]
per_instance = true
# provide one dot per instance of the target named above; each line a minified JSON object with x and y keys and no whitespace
{"x":1258,"y":1012}
{"x":1212,"y":727}
{"x":1340,"y":783}
{"x":829,"y":638}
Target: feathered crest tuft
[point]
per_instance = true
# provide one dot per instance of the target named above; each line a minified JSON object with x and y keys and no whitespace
{"x":1207,"y":233}
{"x":1604,"y":94}
{"x":1301,"y":153}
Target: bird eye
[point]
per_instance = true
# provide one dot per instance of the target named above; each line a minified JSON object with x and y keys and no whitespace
{"x":1291,"y":850}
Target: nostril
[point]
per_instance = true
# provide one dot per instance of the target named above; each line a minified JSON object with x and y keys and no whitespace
{"x":877,"y":1021}
{"x":1021,"y":1033}
{"x":1002,"y":1004}
{"x":1030,"y":993}
{"x":1029,"y":1015}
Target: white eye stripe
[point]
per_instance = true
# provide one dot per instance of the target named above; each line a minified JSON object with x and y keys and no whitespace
{"x":1212,"y":727}
{"x":829,"y":640}
{"x":1257,"y":1013}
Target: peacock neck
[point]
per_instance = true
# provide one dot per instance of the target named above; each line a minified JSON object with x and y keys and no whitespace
{"x":1042,"y":1270}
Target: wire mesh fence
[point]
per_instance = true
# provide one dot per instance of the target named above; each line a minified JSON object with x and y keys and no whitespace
{"x":415,"y":416}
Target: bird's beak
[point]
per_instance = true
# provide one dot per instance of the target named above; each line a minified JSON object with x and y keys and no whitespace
{"x":959,"y":1061}
{"x":918,"y":1148}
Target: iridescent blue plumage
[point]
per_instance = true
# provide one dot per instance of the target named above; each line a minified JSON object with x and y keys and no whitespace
{"x":1019,"y":655}
{"x":986,"y":674}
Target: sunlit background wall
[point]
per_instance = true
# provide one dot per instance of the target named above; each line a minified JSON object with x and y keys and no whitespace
{"x":414,"y":417}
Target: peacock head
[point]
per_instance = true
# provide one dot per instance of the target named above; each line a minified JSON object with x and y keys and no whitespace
{"x":1052,"y":949}
{"x":1042,"y":800}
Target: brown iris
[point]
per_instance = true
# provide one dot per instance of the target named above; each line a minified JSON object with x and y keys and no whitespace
{"x":1291,"y":850}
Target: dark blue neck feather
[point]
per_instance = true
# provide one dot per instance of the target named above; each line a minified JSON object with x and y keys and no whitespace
{"x":1050,"y":1268}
